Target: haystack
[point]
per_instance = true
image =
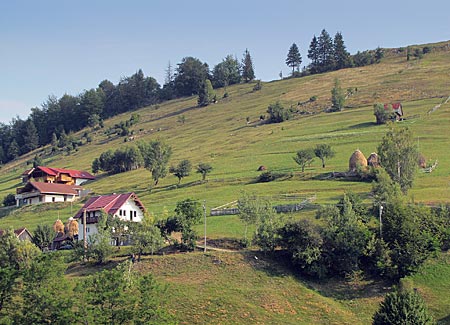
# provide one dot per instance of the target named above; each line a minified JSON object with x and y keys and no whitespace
{"x":72,"y":227}
{"x":373,"y":160}
{"x":58,"y":226}
{"x":357,"y":160}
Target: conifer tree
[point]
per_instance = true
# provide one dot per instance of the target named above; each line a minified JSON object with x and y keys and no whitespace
{"x":294,"y":59}
{"x":313,"y":55}
{"x":325,"y":51}
{"x":341,"y":56}
{"x":248,"y":73}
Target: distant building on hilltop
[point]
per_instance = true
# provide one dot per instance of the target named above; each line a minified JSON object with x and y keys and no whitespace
{"x":126,"y":207}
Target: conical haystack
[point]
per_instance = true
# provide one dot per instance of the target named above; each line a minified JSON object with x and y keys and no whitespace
{"x":58,"y":226}
{"x":72,"y":227}
{"x":357,"y":160}
{"x":373,"y":160}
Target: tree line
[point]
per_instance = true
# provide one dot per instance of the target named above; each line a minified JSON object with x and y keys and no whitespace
{"x":328,"y":54}
{"x":58,"y":117}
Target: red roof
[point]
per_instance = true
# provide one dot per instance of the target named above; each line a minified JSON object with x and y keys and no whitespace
{"x":18,"y":232}
{"x":73,"y":173}
{"x":108,"y":203}
{"x":55,"y":188}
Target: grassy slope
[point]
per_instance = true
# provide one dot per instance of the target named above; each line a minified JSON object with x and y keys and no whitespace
{"x":239,"y":289}
{"x":218,"y":134}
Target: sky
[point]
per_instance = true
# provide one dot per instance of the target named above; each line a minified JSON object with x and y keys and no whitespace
{"x":53,"y":47}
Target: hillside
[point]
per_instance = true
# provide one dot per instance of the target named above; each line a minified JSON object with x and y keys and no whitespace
{"x":219,"y":134}
{"x":237,"y":287}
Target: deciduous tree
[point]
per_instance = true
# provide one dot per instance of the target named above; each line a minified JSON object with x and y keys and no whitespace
{"x":304,"y":157}
{"x":182,"y":170}
{"x":156,"y":155}
{"x":398,"y":156}
{"x":323,"y":151}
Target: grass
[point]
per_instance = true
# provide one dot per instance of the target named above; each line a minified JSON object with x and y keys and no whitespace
{"x":237,"y":288}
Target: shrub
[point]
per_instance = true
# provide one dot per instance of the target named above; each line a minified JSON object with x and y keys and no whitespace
{"x":402,"y":307}
{"x":9,"y":200}
{"x":277,"y":113}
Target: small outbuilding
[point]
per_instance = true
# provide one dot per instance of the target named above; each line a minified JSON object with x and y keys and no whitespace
{"x":357,"y":160}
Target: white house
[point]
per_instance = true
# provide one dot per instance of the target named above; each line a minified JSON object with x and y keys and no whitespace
{"x":37,"y":192}
{"x":125,"y":206}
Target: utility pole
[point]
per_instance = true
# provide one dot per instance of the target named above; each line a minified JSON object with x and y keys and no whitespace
{"x":204,"y":213}
{"x":381,"y":223}
{"x":84,"y":235}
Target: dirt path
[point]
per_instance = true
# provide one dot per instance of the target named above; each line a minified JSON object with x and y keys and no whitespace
{"x":435,"y":108}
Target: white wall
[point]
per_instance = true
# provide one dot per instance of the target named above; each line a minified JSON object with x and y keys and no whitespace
{"x":130,"y":205}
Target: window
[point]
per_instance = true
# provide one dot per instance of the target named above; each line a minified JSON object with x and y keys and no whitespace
{"x":87,"y":229}
{"x":135,"y":214}
{"x":53,"y":199}
{"x":131,"y":215}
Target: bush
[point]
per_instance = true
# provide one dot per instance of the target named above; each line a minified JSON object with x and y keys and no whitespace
{"x":382,"y":115}
{"x":9,"y":200}
{"x":277,"y":113}
{"x":258,"y":85}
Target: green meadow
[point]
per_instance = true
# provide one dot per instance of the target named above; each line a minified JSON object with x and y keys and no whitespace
{"x":227,"y":288}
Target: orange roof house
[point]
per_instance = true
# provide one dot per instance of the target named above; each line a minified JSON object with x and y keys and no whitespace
{"x":56,"y":175}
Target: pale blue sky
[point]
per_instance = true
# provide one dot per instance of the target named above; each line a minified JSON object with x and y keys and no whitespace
{"x":60,"y":46}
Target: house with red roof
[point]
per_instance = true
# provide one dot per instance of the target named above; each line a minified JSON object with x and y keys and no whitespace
{"x":56,"y":175}
{"x":21,"y":234}
{"x":395,"y":108}
{"x":38,"y":192}
{"x":126,"y":207}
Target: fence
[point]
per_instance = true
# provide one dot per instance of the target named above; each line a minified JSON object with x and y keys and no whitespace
{"x":282,"y":208}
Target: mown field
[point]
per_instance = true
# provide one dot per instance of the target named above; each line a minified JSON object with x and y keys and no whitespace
{"x":237,"y":288}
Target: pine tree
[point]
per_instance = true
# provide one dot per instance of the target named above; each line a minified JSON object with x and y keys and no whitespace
{"x":405,"y":307}
{"x":248,"y":73}
{"x":313,"y":55}
{"x":341,"y":56}
{"x":30,"y":137}
{"x":325,"y":52}
{"x":294,"y":59}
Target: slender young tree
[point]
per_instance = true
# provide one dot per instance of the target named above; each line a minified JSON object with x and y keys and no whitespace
{"x":323,"y":151}
{"x":304,"y":157}
{"x":294,"y":59}
{"x":248,"y":73}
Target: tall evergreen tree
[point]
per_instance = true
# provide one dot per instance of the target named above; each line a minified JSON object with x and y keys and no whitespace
{"x":313,"y":55}
{"x":30,"y":137}
{"x":341,"y":56}
{"x":325,"y":51}
{"x":294,"y":59}
{"x":248,"y":73}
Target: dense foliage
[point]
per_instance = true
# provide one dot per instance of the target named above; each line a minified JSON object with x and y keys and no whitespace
{"x":402,"y":307}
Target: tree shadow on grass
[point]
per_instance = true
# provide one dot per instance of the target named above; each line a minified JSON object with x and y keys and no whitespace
{"x":278,"y":264}
{"x":445,"y":320}
{"x":361,"y":125}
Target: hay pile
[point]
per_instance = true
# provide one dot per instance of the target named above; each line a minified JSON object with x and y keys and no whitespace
{"x":357,"y":161}
{"x":72,"y":227}
{"x":373,"y":160}
{"x":58,"y":226}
